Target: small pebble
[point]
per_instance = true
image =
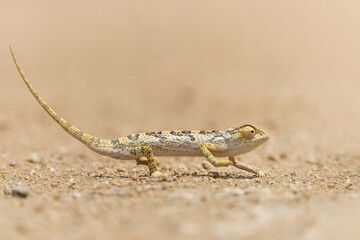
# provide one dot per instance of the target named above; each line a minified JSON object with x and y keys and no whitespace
{"x":12,"y":163}
{"x":20,"y":191}
{"x":271,"y":158}
{"x":214,"y":174}
{"x":92,"y":174}
{"x":76,"y":195}
{"x":30,"y":160}
{"x":134,"y":177}
{"x":164,"y":177}
{"x":33,"y":158}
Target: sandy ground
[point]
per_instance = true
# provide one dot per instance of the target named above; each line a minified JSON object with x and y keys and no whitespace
{"x":121,"y":67}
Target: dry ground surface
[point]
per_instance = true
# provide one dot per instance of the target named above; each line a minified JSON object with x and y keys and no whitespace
{"x":291,"y":68}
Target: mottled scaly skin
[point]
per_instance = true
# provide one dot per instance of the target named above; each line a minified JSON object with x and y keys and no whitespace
{"x":142,"y":147}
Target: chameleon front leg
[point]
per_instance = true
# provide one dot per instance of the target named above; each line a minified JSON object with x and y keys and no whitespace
{"x":247,"y":168}
{"x":147,"y":153}
{"x":205,"y":148}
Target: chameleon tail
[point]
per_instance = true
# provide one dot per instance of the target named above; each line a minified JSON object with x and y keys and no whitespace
{"x":94,"y":143}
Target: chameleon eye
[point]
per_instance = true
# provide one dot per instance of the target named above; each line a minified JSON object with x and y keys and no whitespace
{"x":247,"y":132}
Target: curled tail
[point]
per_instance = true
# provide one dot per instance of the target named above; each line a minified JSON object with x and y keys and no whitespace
{"x":98,"y":145}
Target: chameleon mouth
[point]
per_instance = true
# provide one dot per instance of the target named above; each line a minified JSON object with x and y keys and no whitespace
{"x":262,"y":139}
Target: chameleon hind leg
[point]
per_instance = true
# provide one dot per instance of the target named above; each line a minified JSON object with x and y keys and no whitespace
{"x":247,"y":168}
{"x":148,"y":159}
{"x":205,"y":148}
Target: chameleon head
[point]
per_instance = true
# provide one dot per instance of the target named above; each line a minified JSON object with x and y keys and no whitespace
{"x":245,"y":138}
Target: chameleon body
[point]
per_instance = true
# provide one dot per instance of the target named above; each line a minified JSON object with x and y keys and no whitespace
{"x":142,"y":147}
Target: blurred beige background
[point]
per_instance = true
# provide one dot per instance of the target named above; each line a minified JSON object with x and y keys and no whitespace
{"x":117,"y":67}
{"x":188,"y":64}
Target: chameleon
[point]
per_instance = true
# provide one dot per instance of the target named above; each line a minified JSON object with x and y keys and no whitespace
{"x":143,"y":147}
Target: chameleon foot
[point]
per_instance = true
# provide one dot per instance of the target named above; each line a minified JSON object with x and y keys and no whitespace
{"x":261,"y":173}
{"x":247,"y":168}
{"x":156,"y":174}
